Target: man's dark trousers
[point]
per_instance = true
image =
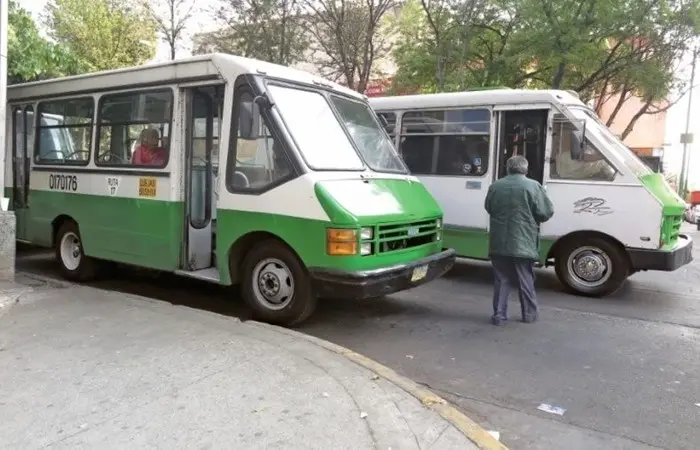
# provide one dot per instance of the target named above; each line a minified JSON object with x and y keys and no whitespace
{"x":517,"y":273}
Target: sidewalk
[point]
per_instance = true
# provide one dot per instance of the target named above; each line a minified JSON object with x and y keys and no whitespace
{"x":86,"y":368}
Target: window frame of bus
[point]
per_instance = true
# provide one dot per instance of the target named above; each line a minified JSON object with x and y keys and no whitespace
{"x":242,"y":87}
{"x":36,"y":148}
{"x":444,"y":111}
{"x":98,"y":124}
{"x":394,"y":123}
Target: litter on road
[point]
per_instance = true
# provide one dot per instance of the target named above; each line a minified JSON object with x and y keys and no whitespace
{"x":495,"y":434}
{"x":552,"y":409}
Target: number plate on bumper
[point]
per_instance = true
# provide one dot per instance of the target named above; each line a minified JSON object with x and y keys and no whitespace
{"x":419,"y":273}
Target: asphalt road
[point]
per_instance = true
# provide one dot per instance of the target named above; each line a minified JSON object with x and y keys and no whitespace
{"x":626,"y":368}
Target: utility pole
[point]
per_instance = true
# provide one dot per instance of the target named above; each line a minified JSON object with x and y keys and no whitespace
{"x":687,"y":137}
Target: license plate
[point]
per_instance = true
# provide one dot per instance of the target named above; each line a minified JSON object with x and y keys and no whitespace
{"x":419,"y":273}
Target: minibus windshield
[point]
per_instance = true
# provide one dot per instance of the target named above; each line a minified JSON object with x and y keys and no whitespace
{"x":369,"y":138}
{"x":603,"y":134}
{"x":315,"y":129}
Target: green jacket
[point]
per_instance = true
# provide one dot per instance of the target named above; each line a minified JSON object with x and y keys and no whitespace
{"x":517,"y":206}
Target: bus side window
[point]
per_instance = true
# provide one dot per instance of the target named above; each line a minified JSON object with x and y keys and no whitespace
{"x":134,"y":129}
{"x":591,"y":165}
{"x":257,"y":161}
{"x":455,"y":142}
{"x":65,"y":131}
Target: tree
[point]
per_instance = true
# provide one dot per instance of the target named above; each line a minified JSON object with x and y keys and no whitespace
{"x":602,"y":49}
{"x":270,"y":30}
{"x":30,"y":56}
{"x":106,"y":34}
{"x":452,"y":46}
{"x":348,"y":37}
{"x":171,"y":18}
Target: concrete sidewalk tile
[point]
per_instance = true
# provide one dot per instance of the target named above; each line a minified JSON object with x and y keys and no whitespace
{"x":86,"y":368}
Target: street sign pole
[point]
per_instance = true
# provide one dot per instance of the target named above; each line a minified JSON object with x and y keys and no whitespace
{"x":687,"y":138}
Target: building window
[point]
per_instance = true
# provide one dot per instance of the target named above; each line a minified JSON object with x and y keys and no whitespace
{"x":258,"y":160}
{"x":134,"y":129}
{"x":454,"y":142}
{"x":65,"y":132}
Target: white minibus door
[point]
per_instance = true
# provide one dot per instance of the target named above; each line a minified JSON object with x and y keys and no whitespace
{"x":199,"y":141}
{"x":524,"y":131}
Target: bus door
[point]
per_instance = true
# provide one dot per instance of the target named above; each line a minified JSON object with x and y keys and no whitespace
{"x":201,"y":151}
{"x":523,"y":130}
{"x":22,"y":143}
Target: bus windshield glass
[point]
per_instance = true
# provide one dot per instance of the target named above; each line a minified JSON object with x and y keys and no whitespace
{"x":603,"y":134}
{"x":315,"y":129}
{"x":368,"y":136}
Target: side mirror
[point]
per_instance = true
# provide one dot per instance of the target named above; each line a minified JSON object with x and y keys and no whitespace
{"x":249,"y":120}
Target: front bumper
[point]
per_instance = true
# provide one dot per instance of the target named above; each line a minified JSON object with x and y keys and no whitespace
{"x":668,"y":260}
{"x":331,"y":283}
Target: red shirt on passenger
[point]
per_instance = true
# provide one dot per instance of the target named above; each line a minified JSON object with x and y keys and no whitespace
{"x":148,"y":156}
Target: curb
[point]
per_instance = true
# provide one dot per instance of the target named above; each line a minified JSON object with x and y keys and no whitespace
{"x":480,"y":437}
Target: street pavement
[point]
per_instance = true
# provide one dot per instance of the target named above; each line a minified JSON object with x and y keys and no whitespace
{"x":88,"y":368}
{"x":626,"y":368}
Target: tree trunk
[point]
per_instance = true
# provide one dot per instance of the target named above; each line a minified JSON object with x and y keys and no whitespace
{"x":630,"y":126}
{"x":559,"y":76}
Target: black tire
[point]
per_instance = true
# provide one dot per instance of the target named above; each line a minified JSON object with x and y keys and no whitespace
{"x":599,"y":250}
{"x":282,"y":269}
{"x":74,"y":266}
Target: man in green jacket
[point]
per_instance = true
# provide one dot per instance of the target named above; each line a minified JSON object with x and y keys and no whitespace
{"x":517,"y":206}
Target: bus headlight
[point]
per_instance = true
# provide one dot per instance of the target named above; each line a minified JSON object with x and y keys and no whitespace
{"x":366,"y":248}
{"x":366,"y":234}
{"x":438,"y":223}
{"x":341,"y":242}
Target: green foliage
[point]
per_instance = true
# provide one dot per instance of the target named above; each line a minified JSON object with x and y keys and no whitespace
{"x":627,"y":47}
{"x":30,"y":56}
{"x":105,"y":34}
{"x":269,"y":30}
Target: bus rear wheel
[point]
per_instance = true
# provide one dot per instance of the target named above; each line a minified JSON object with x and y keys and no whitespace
{"x":593,"y":266}
{"x":276,"y":285}
{"x":70,"y":255}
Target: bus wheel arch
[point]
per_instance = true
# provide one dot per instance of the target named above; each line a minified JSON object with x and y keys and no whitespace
{"x":273,"y":279}
{"x":590,"y":263}
{"x":56,"y":225}
{"x":68,"y":247}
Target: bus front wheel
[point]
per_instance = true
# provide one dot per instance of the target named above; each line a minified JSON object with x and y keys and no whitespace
{"x":592,"y":266}
{"x":70,"y":255}
{"x":276,"y":285}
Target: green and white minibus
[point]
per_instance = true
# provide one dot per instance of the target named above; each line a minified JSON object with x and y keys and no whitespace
{"x":612,"y":215}
{"x":224,"y":169}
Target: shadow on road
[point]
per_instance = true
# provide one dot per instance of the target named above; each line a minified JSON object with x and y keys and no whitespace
{"x":475,"y":277}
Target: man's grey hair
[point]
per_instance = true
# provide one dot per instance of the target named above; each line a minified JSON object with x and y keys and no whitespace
{"x":517,"y":164}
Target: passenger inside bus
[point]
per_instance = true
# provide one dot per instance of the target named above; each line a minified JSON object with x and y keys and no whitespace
{"x":590,"y":166}
{"x":148,"y":153}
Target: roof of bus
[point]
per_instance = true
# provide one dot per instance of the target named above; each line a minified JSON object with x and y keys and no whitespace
{"x":481,"y":97}
{"x":210,"y":66}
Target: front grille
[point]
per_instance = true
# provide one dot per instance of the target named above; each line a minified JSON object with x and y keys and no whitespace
{"x":406,"y":235}
{"x":671,"y":229}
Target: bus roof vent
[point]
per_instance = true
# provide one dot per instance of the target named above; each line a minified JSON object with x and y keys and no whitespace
{"x":574,"y":93}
